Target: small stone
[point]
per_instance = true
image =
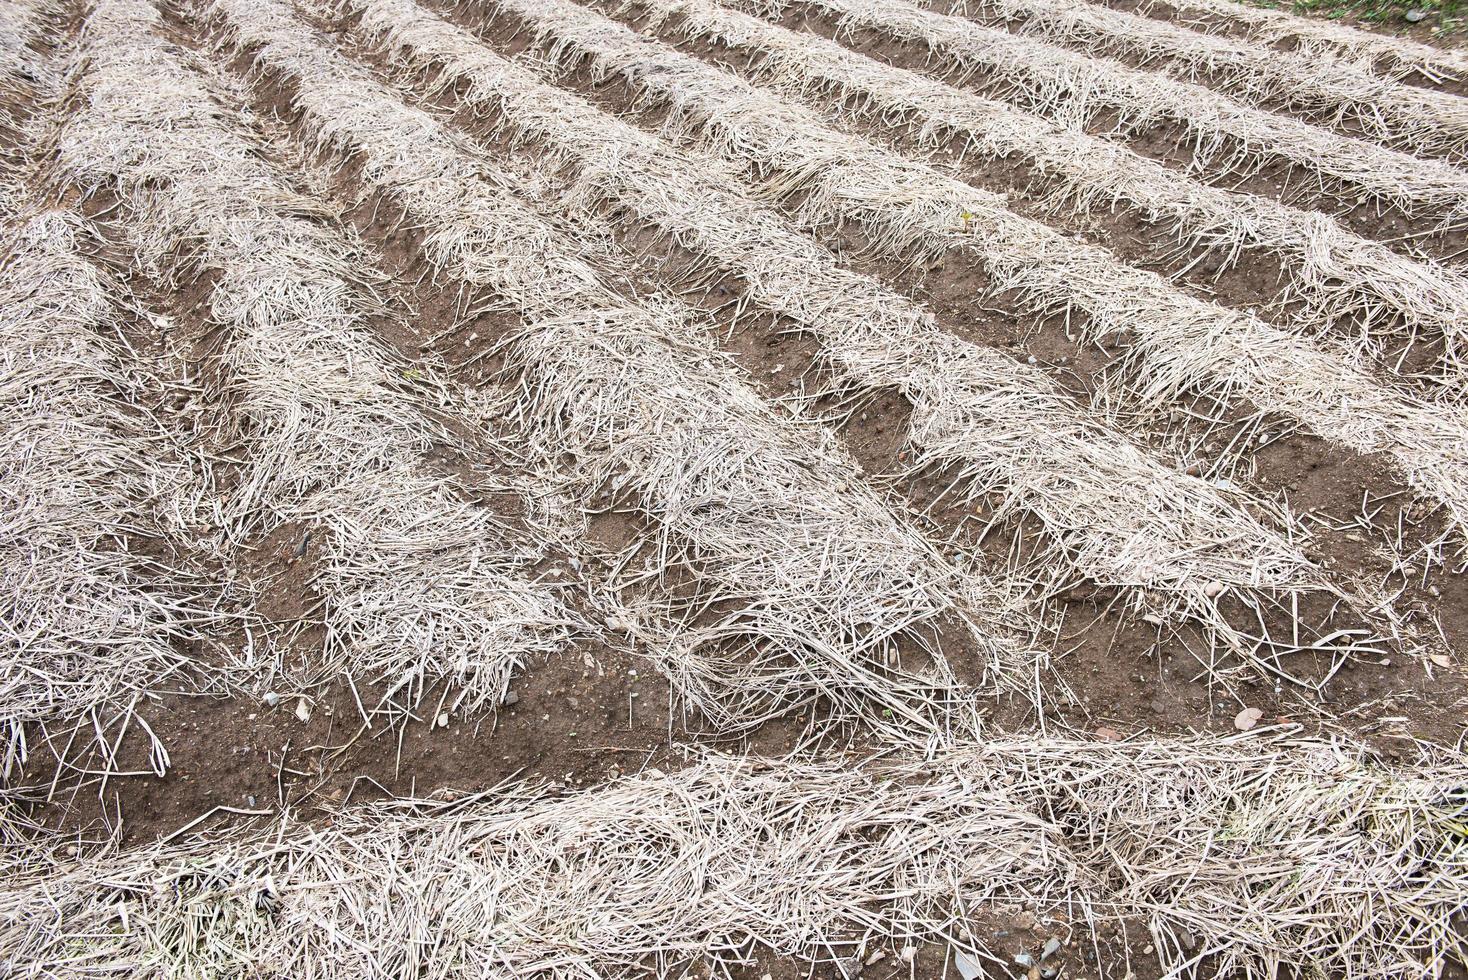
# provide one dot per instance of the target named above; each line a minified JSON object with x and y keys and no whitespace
{"x":1415,"y":15}
{"x":271,"y":698}
{"x":1213,"y":589}
{"x":1052,"y":946}
{"x":1024,"y":959}
{"x":1386,"y":661}
{"x":512,"y":698}
{"x":907,"y":954}
{"x":1025,"y":920}
{"x":443,"y":719}
{"x":303,"y":710}
{"x":1032,"y":359}
{"x":1108,"y":734}
{"x":1247,"y":719}
{"x":1441,"y":659}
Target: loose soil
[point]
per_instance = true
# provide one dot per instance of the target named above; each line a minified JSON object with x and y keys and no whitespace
{"x":601,"y":710}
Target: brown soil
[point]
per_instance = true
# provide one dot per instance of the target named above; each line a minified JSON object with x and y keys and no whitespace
{"x":599,"y":710}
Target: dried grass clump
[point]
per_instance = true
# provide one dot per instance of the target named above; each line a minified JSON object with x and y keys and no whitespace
{"x":1257,"y":859}
{"x":25,"y":75}
{"x":993,"y":426}
{"x":426,"y":587}
{"x":1261,"y":859}
{"x":641,"y":877}
{"x":1330,"y":92}
{"x":1316,"y":38}
{"x":1345,"y":281}
{"x":782,"y":578}
{"x":1181,"y":347}
{"x":332,"y":428}
{"x":87,"y":475}
{"x":1223,"y":136}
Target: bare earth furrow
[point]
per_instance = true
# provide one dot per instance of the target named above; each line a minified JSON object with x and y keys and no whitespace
{"x":1334,"y":866}
{"x":1327,"y":92}
{"x":802,"y":582}
{"x":92,"y":629}
{"x":1346,"y":281}
{"x":333,"y":435}
{"x":1181,"y":346}
{"x":1223,"y":136}
{"x":992,"y":425}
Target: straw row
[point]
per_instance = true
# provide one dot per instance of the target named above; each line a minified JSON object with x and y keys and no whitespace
{"x":332,"y":432}
{"x":1259,"y":860}
{"x":1181,"y":346}
{"x":1222,"y":135}
{"x":1317,"y":38}
{"x":789,"y":580}
{"x":1344,"y":280}
{"x":993,"y":426}
{"x":1328,"y":92}
{"x":24,"y":74}
{"x":90,"y":627}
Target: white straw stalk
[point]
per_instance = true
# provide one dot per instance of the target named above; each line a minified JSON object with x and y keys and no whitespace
{"x":91,"y":628}
{"x":1346,"y":282}
{"x":797,"y":582}
{"x":1223,"y":136}
{"x":1116,"y":516}
{"x":333,"y":431}
{"x":1181,"y":346}
{"x":1331,"y":93}
{"x":1317,"y":38}
{"x":1263,"y":860}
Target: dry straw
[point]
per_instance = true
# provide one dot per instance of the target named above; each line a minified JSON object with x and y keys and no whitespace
{"x":26,"y":75}
{"x":1317,"y":38}
{"x":781,"y":578}
{"x":1257,"y":859}
{"x":1345,"y":281}
{"x":994,"y":426}
{"x":1181,"y":347}
{"x":1330,"y":92}
{"x":333,"y":430}
{"x":1223,"y":136}
{"x":93,"y":626}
